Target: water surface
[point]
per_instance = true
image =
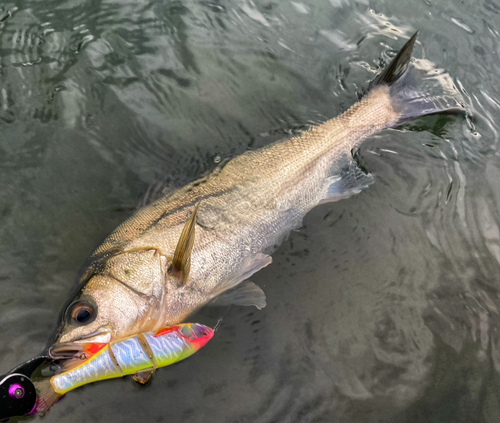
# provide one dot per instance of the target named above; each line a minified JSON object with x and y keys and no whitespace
{"x":383,"y":308}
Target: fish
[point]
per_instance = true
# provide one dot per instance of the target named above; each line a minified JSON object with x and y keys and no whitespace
{"x":139,"y":355}
{"x":200,"y":244}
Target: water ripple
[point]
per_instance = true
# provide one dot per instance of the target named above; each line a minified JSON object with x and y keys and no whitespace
{"x":385,"y":307}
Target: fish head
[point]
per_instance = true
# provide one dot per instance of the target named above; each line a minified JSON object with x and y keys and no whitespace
{"x":124,"y":297}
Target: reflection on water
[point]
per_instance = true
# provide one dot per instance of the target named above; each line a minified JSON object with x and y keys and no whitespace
{"x":384,"y":307}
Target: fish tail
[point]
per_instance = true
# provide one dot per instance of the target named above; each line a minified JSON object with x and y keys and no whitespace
{"x":417,"y":89}
{"x":46,"y":397}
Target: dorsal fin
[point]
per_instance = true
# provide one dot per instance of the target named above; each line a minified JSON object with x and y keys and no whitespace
{"x":181,"y":263}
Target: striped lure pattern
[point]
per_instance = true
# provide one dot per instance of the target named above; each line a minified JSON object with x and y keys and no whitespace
{"x":138,"y":353}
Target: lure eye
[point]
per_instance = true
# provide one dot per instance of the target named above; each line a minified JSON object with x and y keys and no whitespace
{"x":82,"y":313}
{"x":199,"y":330}
{"x":186,"y":331}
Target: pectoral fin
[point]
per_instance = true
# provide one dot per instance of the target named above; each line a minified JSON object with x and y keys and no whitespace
{"x":181,"y":263}
{"x":144,"y":376}
{"x":246,"y":294}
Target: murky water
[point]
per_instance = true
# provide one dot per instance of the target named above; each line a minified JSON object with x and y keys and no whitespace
{"x":384,"y":307}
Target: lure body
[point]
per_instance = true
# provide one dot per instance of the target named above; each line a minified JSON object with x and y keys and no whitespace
{"x":135,"y":354}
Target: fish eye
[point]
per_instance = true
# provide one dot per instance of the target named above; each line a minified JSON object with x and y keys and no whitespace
{"x":82,"y":313}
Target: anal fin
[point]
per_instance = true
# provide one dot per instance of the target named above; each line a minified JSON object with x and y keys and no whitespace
{"x":143,"y":376}
{"x":349,"y":181}
{"x":245,"y":294}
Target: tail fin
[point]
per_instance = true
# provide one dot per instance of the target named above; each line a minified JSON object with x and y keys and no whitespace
{"x":415,"y":93}
{"x":45,"y":394}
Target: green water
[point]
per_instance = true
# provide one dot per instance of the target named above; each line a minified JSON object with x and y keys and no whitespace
{"x":383,"y":308}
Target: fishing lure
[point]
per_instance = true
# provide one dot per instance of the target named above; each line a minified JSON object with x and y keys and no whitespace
{"x":138,"y":355}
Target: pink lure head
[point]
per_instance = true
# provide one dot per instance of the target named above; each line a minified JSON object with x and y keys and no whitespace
{"x":201,"y":334}
{"x":197,"y":335}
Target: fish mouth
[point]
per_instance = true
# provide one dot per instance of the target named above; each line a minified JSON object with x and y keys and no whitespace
{"x":67,"y":351}
{"x":101,"y":335}
{"x":76,"y":347}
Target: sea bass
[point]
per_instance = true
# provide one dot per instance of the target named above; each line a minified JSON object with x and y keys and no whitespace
{"x":202,"y":242}
{"x":139,"y":355}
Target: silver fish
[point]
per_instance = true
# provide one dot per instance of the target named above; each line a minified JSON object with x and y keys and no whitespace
{"x":203,"y":241}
